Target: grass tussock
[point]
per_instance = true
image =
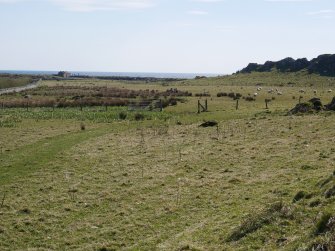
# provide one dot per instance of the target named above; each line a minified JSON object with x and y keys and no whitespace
{"x":325,"y":223}
{"x":299,"y":196}
{"x":256,"y":221}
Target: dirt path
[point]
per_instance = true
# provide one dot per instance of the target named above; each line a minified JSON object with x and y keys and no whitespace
{"x":20,"y":88}
{"x":30,"y":158}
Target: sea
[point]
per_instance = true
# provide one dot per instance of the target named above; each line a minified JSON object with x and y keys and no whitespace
{"x":117,"y":74}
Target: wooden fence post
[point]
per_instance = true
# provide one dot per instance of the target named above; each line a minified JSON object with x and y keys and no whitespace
{"x":266,"y":103}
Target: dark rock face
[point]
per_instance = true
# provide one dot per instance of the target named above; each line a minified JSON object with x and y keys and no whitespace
{"x":314,"y":104}
{"x":251,"y":67}
{"x":301,"y":108}
{"x":209,"y":123}
{"x":323,"y":65}
{"x":331,"y":106}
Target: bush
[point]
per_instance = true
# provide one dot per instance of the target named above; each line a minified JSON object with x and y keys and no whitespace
{"x":238,"y":95}
{"x":139,"y":116}
{"x":173,"y":102}
{"x":250,"y":99}
{"x":202,"y":95}
{"x":122,"y":115}
{"x":231,"y":95}
{"x":222,"y":94}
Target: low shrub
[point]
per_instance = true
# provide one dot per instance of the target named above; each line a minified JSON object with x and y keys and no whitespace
{"x":231,"y":95}
{"x":122,"y":115}
{"x":222,"y":94}
{"x":250,"y":99}
{"x":139,"y":116}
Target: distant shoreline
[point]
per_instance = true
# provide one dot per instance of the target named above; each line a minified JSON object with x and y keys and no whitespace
{"x":116,"y":74}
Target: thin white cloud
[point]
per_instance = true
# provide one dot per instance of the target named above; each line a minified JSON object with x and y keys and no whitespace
{"x":95,"y":5}
{"x":224,"y":28}
{"x":207,"y":1}
{"x":197,"y":12}
{"x":288,"y":1}
{"x":325,"y":14}
{"x":12,"y":1}
{"x":320,"y":12}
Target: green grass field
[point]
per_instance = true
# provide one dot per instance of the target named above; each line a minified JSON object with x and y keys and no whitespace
{"x":76,"y":179}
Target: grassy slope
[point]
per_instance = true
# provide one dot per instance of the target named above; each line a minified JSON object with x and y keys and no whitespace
{"x":157,"y":185}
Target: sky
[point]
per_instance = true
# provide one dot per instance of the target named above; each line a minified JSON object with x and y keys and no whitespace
{"x":179,"y":36}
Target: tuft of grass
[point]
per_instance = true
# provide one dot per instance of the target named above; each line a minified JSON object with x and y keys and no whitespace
{"x":299,"y":196}
{"x":330,"y":192}
{"x":326,"y":181}
{"x":322,"y":225}
{"x":315,"y":203}
{"x":122,"y":115}
{"x":187,"y":248}
{"x":255,"y":222}
{"x":307,"y":167}
{"x":24,"y":211}
{"x":106,"y":249}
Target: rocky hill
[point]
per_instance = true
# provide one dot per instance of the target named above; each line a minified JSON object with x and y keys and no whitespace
{"x":323,"y":65}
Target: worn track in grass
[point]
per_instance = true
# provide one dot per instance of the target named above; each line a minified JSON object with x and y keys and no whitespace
{"x":30,"y":158}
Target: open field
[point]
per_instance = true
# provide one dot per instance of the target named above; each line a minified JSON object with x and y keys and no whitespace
{"x":82,"y":178}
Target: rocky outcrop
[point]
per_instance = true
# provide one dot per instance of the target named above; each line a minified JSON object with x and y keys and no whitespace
{"x":312,"y":105}
{"x":323,"y":65}
{"x":331,"y":105}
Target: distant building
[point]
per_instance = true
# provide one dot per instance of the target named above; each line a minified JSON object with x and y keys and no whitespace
{"x":64,"y":74}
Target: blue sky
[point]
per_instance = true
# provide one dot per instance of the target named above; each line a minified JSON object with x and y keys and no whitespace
{"x":210,"y":36}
